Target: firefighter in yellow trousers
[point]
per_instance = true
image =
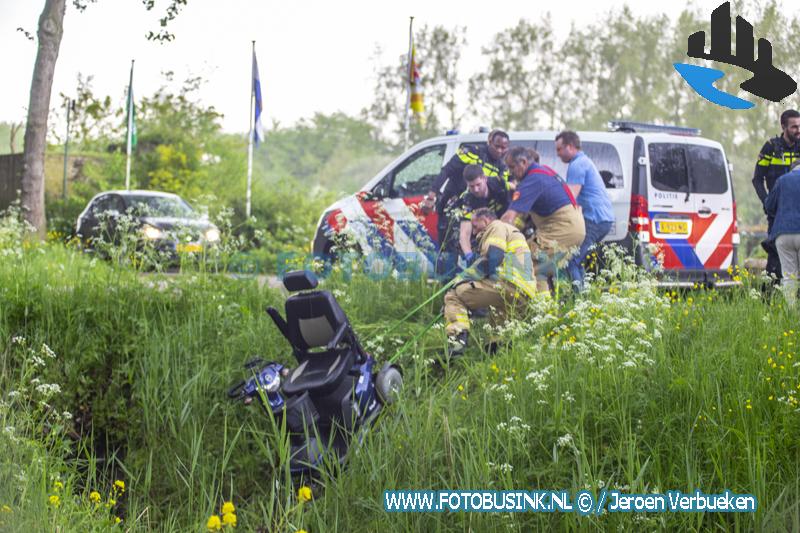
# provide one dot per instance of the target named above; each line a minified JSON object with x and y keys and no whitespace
{"x":501,"y":280}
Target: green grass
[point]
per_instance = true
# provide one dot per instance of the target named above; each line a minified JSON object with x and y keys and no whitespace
{"x":630,"y":389}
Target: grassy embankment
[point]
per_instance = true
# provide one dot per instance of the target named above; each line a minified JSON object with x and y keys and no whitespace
{"x":630,"y":389}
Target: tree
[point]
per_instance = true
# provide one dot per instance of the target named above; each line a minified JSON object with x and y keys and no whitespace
{"x":50,"y":30}
{"x":438,"y":54}
{"x":520,"y":88}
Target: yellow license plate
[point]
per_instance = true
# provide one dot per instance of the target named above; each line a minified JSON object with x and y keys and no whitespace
{"x":191,"y":247}
{"x":672,"y":227}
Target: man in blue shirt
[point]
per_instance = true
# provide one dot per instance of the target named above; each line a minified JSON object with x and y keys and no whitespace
{"x":543,"y":194}
{"x":587,"y":186}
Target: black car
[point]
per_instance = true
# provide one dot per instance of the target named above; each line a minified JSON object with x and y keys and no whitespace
{"x":163,"y":219}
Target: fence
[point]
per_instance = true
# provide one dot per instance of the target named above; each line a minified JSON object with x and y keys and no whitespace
{"x":10,"y":178}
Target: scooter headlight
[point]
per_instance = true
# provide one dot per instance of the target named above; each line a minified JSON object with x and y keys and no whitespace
{"x":271,"y":382}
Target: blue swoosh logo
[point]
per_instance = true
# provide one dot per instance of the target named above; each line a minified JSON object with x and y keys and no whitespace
{"x":702,"y":79}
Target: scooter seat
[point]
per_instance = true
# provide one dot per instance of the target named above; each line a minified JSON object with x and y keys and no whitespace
{"x":319,"y":372}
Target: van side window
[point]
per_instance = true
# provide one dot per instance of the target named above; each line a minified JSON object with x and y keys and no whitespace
{"x":415,"y":175}
{"x":687,"y":168}
{"x":604,"y":156}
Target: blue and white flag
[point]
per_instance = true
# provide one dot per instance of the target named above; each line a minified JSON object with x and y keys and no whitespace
{"x":258,"y":127}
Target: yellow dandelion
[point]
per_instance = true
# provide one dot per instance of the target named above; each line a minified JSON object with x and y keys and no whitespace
{"x":94,"y":496}
{"x":54,"y":500}
{"x":229,"y":519}
{"x":120,"y":485}
{"x":301,"y":531}
{"x":58,"y":486}
{"x":228,"y":508}
{"x":460,"y":388}
{"x":117,"y":520}
{"x":214,"y":523}
{"x":463,"y":397}
{"x":304,"y":494}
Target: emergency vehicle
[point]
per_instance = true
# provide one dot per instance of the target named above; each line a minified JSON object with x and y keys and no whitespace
{"x":671,"y":191}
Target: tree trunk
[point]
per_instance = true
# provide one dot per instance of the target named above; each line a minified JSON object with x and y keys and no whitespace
{"x":51,"y":28}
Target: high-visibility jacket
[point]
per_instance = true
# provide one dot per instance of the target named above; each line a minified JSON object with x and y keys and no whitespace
{"x":774,"y":161}
{"x":506,"y":255}
{"x":450,"y":183}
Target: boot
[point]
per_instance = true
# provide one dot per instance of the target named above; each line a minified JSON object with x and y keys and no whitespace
{"x":457,"y":344}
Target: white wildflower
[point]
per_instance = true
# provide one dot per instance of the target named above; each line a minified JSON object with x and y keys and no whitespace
{"x":48,"y":352}
{"x":564,"y":440}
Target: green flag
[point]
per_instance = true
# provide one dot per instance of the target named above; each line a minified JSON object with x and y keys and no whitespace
{"x":131,"y":114}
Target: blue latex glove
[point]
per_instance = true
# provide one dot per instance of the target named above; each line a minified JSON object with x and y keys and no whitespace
{"x":470,"y":258}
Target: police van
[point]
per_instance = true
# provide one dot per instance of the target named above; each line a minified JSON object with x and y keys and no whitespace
{"x":671,"y":191}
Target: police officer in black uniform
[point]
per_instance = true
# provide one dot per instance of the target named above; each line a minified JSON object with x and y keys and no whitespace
{"x":450,"y":184}
{"x":482,"y":191}
{"x":774,"y":161}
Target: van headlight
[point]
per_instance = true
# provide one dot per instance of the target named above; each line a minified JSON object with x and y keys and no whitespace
{"x":151,"y":232}
{"x":212,"y":235}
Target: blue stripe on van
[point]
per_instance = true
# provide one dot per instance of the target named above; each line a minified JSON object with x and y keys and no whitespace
{"x":685,"y":253}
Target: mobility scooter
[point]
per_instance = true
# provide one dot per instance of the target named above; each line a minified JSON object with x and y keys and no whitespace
{"x":334,"y":394}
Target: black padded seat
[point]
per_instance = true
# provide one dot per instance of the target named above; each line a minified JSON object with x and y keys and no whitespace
{"x":321,"y":371}
{"x":324,"y":344}
{"x":313,"y":318}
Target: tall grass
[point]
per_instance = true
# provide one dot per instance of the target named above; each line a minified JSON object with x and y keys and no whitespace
{"x":629,"y":388}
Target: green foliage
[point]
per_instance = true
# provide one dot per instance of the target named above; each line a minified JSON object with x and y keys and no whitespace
{"x":626,"y":388}
{"x":334,"y":152}
{"x":6,"y":131}
{"x":438,"y":54}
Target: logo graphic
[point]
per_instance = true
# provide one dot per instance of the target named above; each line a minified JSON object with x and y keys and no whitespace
{"x":767,"y":82}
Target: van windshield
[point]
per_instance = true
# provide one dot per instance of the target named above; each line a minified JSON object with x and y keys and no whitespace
{"x":687,"y":168}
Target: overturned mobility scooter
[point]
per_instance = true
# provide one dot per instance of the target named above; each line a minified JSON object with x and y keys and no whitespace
{"x":334,"y":393}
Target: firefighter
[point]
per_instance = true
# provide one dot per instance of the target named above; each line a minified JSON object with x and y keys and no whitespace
{"x":501,"y":280}
{"x":545,"y":196}
{"x":774,"y":161}
{"x":450,"y":184}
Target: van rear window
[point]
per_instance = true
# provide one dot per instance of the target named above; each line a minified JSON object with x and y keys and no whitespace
{"x":687,"y":168}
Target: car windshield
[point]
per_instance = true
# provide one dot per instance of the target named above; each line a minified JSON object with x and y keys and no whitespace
{"x":160,"y":206}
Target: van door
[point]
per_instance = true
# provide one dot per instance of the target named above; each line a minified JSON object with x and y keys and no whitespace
{"x":388,"y":222}
{"x":691,"y":205}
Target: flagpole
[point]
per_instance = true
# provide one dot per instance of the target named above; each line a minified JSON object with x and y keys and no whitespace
{"x":409,"y":75}
{"x":250,"y":138}
{"x":130,"y":132}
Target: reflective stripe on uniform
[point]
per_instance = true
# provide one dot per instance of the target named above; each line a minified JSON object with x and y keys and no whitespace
{"x":495,"y":241}
{"x":516,"y":244}
{"x":468,"y":158}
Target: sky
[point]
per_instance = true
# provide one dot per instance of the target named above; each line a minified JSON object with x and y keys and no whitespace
{"x":313,"y":55}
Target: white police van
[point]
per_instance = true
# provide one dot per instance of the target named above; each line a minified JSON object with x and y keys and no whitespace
{"x":671,"y":190}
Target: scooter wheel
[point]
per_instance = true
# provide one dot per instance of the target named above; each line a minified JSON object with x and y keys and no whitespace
{"x":388,"y":384}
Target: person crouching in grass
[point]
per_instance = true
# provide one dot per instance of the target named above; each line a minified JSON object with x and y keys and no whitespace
{"x":501,"y":279}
